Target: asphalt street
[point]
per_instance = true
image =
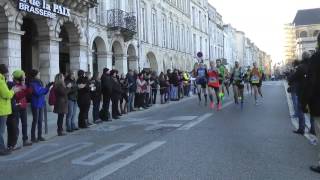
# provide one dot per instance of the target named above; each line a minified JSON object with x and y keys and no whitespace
{"x":181,"y":140}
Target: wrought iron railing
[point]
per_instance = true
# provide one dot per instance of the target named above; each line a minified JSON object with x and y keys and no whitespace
{"x":119,"y":19}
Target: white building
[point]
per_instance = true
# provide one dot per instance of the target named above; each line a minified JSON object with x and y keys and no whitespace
{"x":199,"y":30}
{"x":230,"y":52}
{"x":240,"y":47}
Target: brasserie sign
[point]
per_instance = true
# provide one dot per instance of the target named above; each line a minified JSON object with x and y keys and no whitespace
{"x":41,"y":8}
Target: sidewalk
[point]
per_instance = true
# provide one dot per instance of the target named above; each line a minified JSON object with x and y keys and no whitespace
{"x":52,"y":119}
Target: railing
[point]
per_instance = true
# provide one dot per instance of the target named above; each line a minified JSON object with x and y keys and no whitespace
{"x":119,"y":19}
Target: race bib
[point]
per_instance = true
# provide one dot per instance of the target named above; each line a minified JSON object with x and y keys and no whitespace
{"x":213,"y":80}
{"x":255,"y":78}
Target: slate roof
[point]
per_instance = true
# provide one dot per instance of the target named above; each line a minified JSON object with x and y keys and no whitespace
{"x":307,"y":17}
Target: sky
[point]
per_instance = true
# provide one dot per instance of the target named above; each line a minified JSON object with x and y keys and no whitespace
{"x":263,"y":20}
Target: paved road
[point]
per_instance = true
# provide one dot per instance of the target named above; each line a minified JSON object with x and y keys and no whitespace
{"x":183,"y":141}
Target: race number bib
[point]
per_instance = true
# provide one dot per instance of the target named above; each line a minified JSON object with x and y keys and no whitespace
{"x":255,"y":78}
{"x":213,"y":80}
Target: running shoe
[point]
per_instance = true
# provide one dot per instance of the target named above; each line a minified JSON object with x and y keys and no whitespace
{"x":219,"y":106}
{"x":211,"y":105}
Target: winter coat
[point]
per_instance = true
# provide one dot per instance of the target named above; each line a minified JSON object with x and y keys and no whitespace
{"x":38,"y":94}
{"x":73,"y":91}
{"x":132,"y":84}
{"x":314,"y":82}
{"x":96,"y":94}
{"x":5,"y":97}
{"x":106,"y":85}
{"x":61,"y":104}
{"x":21,"y":96}
{"x":116,"y":89}
{"x":84,"y":96}
{"x":141,"y":86}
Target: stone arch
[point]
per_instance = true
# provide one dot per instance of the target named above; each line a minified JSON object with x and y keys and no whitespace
{"x":69,"y":20}
{"x":119,"y":61}
{"x":99,"y":54}
{"x":152,"y":61}
{"x":303,"y":34}
{"x":10,"y":12}
{"x":132,"y":58}
{"x":316,"y":33}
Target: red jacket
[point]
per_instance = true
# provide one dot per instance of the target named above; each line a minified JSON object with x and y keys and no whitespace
{"x":21,"y":96}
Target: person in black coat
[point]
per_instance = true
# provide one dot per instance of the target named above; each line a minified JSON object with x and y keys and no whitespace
{"x":132,"y":87}
{"x":116,"y":94}
{"x":106,"y":90}
{"x":84,"y":99}
{"x":314,"y":96}
{"x":96,"y":96}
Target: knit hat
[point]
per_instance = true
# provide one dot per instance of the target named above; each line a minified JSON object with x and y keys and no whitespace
{"x":3,"y":69}
{"x":17,"y":74}
{"x":34,"y":73}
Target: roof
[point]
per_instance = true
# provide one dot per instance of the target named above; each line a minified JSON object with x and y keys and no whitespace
{"x":307,"y":17}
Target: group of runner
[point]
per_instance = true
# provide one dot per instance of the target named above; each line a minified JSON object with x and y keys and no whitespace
{"x":215,"y":80}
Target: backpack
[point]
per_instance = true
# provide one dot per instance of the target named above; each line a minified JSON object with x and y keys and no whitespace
{"x":52,"y":97}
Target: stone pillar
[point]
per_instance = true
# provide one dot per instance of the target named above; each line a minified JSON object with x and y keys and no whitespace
{"x":133,"y":62}
{"x":78,"y":57}
{"x":109,"y":60}
{"x":103,"y":61}
{"x":48,"y":58}
{"x":10,"y":49}
{"x":121,"y":63}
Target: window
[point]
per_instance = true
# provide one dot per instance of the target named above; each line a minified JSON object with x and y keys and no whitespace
{"x":171,"y":34}
{"x":303,"y":34}
{"x":205,"y":23}
{"x":144,"y":23}
{"x":199,"y":21}
{"x":154,"y":27}
{"x":193,"y":16}
{"x":183,"y":40}
{"x":194,"y":44}
{"x":201,"y":44}
{"x":206,"y":44}
{"x":130,"y":6}
{"x":164,"y":31}
{"x":117,"y":4}
{"x":316,"y":33}
{"x":177,"y":37}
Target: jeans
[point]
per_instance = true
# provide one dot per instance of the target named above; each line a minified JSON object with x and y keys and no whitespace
{"x":3,"y":120}
{"x":37,"y":114}
{"x":154,"y":96}
{"x":130,"y":101}
{"x":12,"y":129}
{"x":60,"y":123}
{"x":299,"y":113}
{"x":174,"y":92}
{"x":22,"y":115}
{"x":95,"y":110}
{"x":72,"y":112}
{"x":295,"y":103}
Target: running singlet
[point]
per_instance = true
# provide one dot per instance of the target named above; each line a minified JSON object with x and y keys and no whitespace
{"x":201,"y":76}
{"x":221,"y":70}
{"x":213,"y":78}
{"x":255,"y":76}
{"x":237,"y":74}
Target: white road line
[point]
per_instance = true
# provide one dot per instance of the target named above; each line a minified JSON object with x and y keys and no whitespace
{"x":183,"y":118}
{"x":26,"y":153}
{"x":159,"y":126}
{"x":60,"y":150}
{"x":78,"y":148}
{"x":193,"y":123}
{"x":113,"y":167}
{"x":108,"y":128}
{"x":102,"y":154}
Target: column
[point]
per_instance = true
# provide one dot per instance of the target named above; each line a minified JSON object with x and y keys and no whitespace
{"x":78,"y":57}
{"x":10,"y":49}
{"x":48,"y":58}
{"x":133,"y":62}
{"x":121,"y":63}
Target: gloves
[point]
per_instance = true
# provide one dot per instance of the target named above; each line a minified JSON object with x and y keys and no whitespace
{"x":49,"y":85}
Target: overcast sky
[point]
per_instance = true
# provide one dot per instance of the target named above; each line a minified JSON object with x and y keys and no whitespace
{"x":262,"y":20}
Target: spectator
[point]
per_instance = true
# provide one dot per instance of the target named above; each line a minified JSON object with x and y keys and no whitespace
{"x":124,"y":95}
{"x":5,"y":102}
{"x":163,"y":88}
{"x":154,"y":81}
{"x":83,"y":99}
{"x":96,"y":96}
{"x":132,"y":89}
{"x":116,"y":94}
{"x":61,"y":103}
{"x":106,"y":89}
{"x":141,"y":84}
{"x":38,"y":104}
{"x":72,"y":102}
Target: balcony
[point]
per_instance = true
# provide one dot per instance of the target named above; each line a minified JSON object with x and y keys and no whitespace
{"x":119,"y":20}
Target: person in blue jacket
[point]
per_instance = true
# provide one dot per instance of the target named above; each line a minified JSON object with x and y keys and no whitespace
{"x":37,"y":104}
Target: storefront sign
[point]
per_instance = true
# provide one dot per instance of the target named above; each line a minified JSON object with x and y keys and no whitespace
{"x":40,"y":7}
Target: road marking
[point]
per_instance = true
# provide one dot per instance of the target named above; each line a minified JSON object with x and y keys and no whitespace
{"x":26,"y":153}
{"x":159,"y":126}
{"x":102,"y":154}
{"x":61,"y":152}
{"x":193,"y":123}
{"x":108,"y":128}
{"x":183,"y":118}
{"x":115,"y":166}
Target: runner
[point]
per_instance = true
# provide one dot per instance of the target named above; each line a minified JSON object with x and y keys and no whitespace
{"x":255,"y":78}
{"x":201,"y":81}
{"x":260,"y":82}
{"x":222,"y":76}
{"x":227,"y":81}
{"x":214,"y":85}
{"x":237,"y":78}
{"x":248,"y":81}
